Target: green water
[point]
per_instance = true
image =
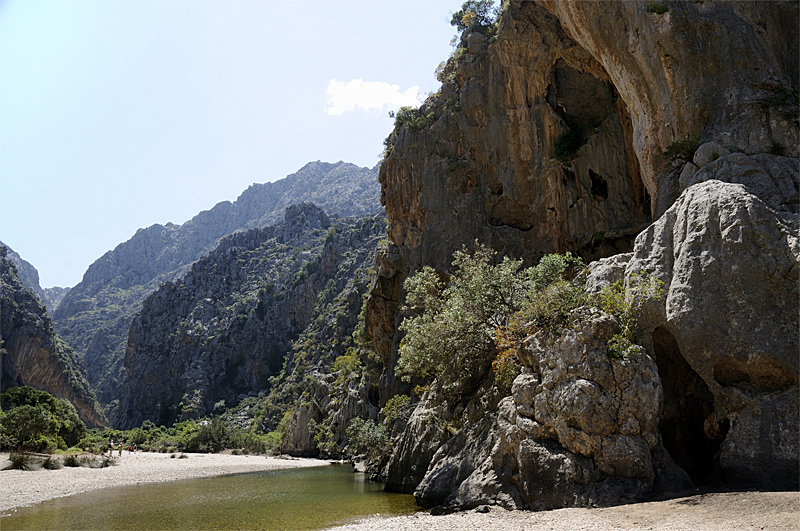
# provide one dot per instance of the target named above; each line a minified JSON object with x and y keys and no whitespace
{"x":310,"y":498}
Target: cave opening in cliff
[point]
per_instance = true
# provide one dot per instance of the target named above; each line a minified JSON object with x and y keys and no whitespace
{"x":686,"y":424}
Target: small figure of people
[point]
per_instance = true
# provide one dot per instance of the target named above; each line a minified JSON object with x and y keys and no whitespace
{"x":120,"y":449}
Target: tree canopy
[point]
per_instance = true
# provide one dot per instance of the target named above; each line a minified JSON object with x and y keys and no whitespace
{"x":475,"y":15}
{"x":37,"y":421}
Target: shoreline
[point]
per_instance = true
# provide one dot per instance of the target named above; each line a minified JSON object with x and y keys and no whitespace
{"x":708,"y":511}
{"x":23,"y":488}
{"x":711,"y":511}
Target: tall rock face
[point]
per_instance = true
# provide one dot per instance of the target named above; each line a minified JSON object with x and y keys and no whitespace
{"x":573,"y":128}
{"x":727,"y":349}
{"x":30,"y":351}
{"x":95,"y":316}
{"x":29,"y":277}
{"x":224,"y":329}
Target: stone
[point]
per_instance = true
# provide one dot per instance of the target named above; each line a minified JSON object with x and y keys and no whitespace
{"x":590,"y":439}
{"x":484,"y":166}
{"x":725,"y":334}
{"x":421,"y":439}
{"x":773,"y":179}
{"x":606,"y":271}
{"x":709,"y":152}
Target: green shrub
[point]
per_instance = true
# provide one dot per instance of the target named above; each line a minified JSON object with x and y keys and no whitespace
{"x":549,"y":309}
{"x":51,"y":463}
{"x":19,"y":461}
{"x":412,"y":118}
{"x":347,"y":365}
{"x":682,"y":149}
{"x":658,"y":9}
{"x":273,"y":441}
{"x":449,"y":324}
{"x":37,"y":421}
{"x":625,"y":306}
{"x":366,"y":436}
{"x":399,"y":406}
{"x":457,"y":329}
{"x":475,"y":15}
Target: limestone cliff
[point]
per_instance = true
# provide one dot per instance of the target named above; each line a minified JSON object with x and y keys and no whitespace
{"x":30,"y":351}
{"x":95,"y":316}
{"x":29,"y":277}
{"x":573,"y":127}
{"x":220,"y":332}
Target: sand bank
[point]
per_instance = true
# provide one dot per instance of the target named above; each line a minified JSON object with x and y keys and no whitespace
{"x":730,"y":511}
{"x":20,"y":488}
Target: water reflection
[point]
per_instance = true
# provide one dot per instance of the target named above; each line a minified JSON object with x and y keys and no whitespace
{"x":299,"y":499}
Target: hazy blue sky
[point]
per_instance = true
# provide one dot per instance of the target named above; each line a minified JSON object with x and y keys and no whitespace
{"x":116,"y":115}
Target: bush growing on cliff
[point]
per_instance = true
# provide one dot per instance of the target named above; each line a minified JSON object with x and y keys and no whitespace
{"x":399,"y":406}
{"x":457,"y":326}
{"x":411,"y":117}
{"x":450,"y":326}
{"x":658,"y":9}
{"x":367,"y":436}
{"x":475,"y":15}
{"x":682,"y":149}
{"x":626,"y":307}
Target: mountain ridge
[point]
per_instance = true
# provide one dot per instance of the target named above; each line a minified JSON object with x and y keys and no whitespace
{"x":95,"y":315}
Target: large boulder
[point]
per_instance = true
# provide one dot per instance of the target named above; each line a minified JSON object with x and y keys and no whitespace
{"x":725,"y":336}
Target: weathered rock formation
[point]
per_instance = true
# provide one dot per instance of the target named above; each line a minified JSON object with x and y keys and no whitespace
{"x":30,"y":351}
{"x":220,"y":332}
{"x":629,"y":82}
{"x":95,"y":316}
{"x":29,"y":277}
{"x":725,"y":336}
{"x":580,"y":428}
{"x":484,"y":159}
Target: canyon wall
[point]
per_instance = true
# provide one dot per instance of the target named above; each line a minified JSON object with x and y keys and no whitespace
{"x":30,"y":351}
{"x":605,"y":128}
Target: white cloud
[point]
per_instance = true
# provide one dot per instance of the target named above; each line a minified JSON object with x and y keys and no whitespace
{"x":371,"y":96}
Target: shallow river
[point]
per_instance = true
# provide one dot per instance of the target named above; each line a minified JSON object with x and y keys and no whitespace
{"x":308,"y":498}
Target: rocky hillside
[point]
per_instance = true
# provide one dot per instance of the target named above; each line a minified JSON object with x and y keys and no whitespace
{"x":95,"y":316}
{"x":574,"y":126}
{"x":221,"y":333}
{"x":29,"y":277}
{"x":30,"y":351}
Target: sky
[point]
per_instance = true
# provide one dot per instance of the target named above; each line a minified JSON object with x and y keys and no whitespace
{"x":118,"y":114}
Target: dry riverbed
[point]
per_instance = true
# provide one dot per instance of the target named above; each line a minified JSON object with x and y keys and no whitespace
{"x":19,"y":488}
